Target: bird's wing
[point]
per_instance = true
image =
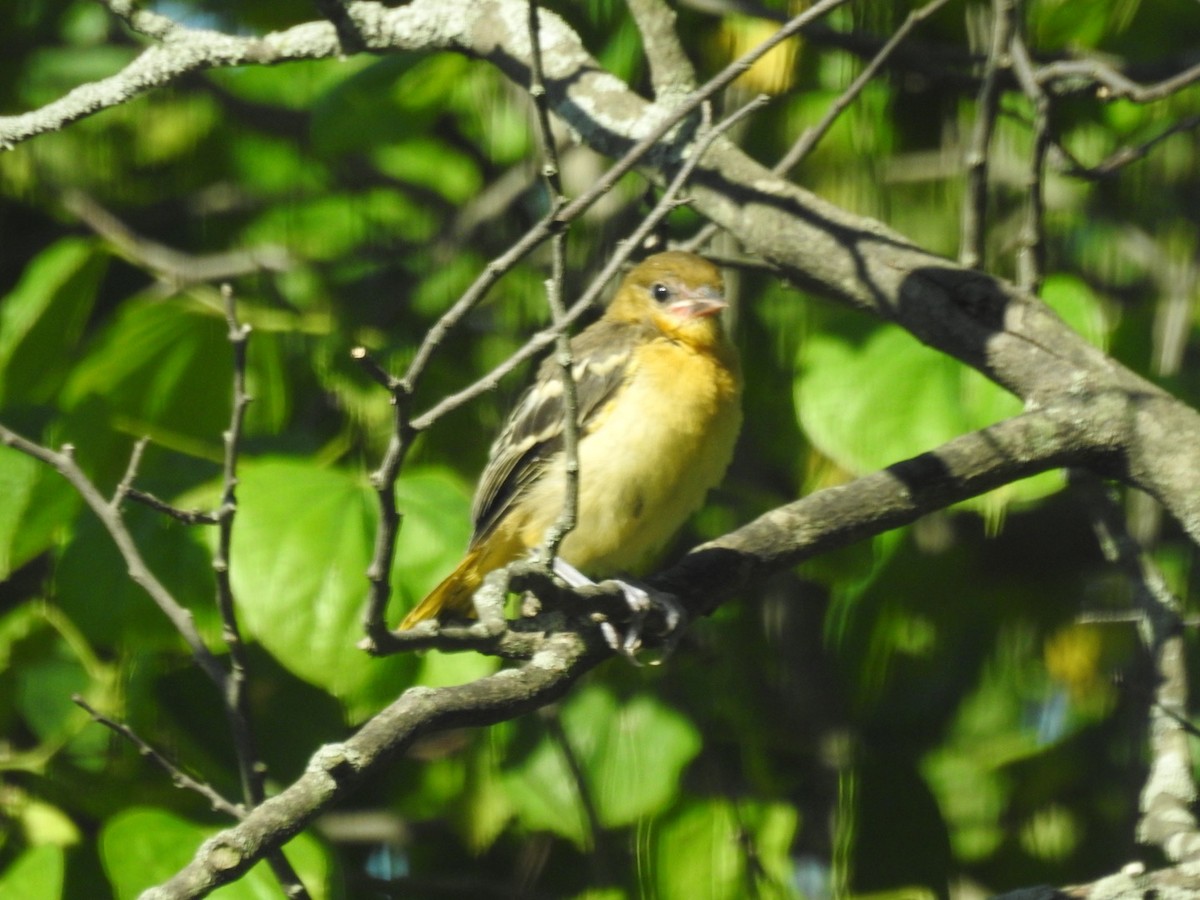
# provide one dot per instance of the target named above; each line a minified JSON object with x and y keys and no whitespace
{"x":603,"y":361}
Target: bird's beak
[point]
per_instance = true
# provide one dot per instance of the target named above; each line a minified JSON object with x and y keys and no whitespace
{"x":698,"y":302}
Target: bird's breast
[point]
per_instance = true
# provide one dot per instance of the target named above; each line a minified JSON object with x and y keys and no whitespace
{"x":647,"y":460}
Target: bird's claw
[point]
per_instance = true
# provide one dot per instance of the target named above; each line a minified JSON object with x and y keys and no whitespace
{"x":642,"y":601}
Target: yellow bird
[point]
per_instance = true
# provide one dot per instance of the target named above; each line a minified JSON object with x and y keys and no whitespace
{"x":659,"y":409}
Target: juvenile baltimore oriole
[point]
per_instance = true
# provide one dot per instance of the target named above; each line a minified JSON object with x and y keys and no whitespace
{"x":659,"y":408}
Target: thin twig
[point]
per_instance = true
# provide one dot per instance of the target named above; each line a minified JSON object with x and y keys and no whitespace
{"x":391,"y":28}
{"x":1075,"y":75}
{"x":742,"y":64}
{"x":110,"y":518}
{"x":235,"y":689}
{"x":379,"y":641}
{"x":250,"y":769}
{"x":371,"y":366}
{"x":173,"y":267}
{"x":178,"y":777}
{"x":131,"y":470}
{"x":64,"y":463}
{"x":811,"y":136}
{"x":1031,"y":252}
{"x":974,"y":206}
{"x":706,"y":577}
{"x":383,"y":482}
{"x":569,"y":514}
{"x":550,"y":223}
{"x":1117,"y":160}
{"x":940,"y":61}
{"x":187,"y":516}
{"x":539,"y":341}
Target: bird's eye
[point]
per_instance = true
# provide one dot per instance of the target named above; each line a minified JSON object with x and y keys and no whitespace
{"x":660,"y":292}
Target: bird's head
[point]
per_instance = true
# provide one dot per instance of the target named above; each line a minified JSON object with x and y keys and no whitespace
{"x":679,"y":293}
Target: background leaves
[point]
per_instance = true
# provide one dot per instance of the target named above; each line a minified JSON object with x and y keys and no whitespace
{"x":915,"y":713}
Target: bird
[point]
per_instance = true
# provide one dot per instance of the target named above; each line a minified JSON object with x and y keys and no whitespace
{"x":658,"y":386}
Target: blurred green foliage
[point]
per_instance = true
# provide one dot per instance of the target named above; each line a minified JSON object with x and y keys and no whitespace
{"x":915,"y":714}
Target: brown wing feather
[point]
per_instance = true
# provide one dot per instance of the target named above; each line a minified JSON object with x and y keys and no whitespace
{"x":533,"y":433}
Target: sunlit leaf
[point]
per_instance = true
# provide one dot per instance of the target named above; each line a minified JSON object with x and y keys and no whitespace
{"x":302,"y":543}
{"x":886,"y":398}
{"x":700,"y":851}
{"x":44,"y":824}
{"x":1072,"y":298}
{"x":37,"y":874}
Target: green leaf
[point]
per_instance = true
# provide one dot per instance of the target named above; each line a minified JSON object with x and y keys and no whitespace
{"x":305,"y":80}
{"x":332,"y":226}
{"x":1073,"y":299}
{"x":631,"y":755}
{"x":94,"y":589}
{"x":54,"y":70}
{"x":45,"y":691}
{"x":867,"y":404}
{"x":143,"y":846}
{"x":42,"y":318}
{"x":38,"y":505}
{"x":277,"y":167}
{"x":163,"y":368}
{"x":36,"y":874}
{"x":484,"y":804}
{"x":699,"y":852}
{"x":45,"y":824}
{"x":302,"y":543}
{"x":362,"y":111}
{"x":431,"y":164}
{"x":16,"y":625}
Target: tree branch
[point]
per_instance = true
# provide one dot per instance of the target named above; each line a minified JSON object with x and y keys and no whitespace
{"x":1167,"y":820}
{"x":178,"y":777}
{"x":974,"y":206}
{"x":337,"y":769}
{"x":64,"y":463}
{"x":173,"y":267}
{"x":671,"y":71}
{"x":1084,"y":407}
{"x":569,"y":514}
{"x":708,"y":575}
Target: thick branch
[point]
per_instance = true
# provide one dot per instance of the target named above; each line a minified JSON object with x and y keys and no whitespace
{"x":337,"y":769}
{"x":1086,"y":408}
{"x":836,"y":517}
{"x":898,"y":495}
{"x":1009,"y":336}
{"x":671,"y":71}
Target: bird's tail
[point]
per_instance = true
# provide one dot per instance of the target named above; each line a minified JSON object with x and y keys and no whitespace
{"x":454,"y":593}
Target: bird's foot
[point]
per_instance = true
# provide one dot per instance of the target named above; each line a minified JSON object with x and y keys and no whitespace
{"x":642,"y":601}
